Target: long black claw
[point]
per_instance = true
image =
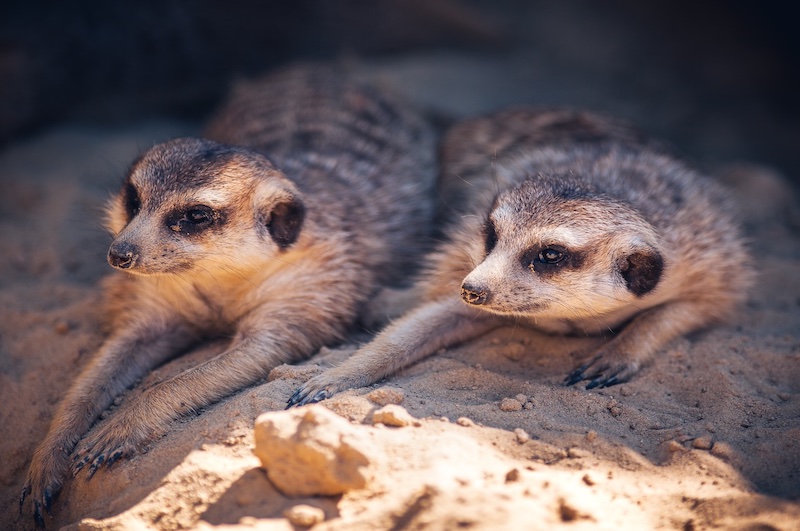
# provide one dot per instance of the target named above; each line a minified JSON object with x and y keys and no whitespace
{"x":82,"y":463}
{"x":574,"y":377}
{"x":319,"y":397}
{"x":597,"y":382}
{"x":37,"y":514}
{"x":301,"y":398}
{"x":48,"y":499}
{"x":296,"y":397}
{"x":95,"y":465}
{"x":604,"y":381}
{"x":114,"y":458}
{"x":24,"y":494}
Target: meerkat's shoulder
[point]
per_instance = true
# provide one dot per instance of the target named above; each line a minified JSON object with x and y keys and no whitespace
{"x":318,"y":108}
{"x":502,"y":133}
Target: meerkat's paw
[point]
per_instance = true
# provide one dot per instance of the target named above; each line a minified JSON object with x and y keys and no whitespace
{"x":604,"y":370}
{"x":309,"y":393}
{"x":321,"y":387}
{"x":45,"y":477}
{"x":122,"y":437}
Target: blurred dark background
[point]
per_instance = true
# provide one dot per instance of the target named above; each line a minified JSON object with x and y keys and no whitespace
{"x":718,"y":79}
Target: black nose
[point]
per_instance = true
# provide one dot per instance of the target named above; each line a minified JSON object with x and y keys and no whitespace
{"x":473,"y":295}
{"x":123,"y":255}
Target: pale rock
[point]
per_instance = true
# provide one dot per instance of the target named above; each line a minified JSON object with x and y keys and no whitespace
{"x":522,"y":435}
{"x":304,"y":515}
{"x":510,"y":404}
{"x":311,"y":451}
{"x":386,"y":395}
{"x":392,"y":415}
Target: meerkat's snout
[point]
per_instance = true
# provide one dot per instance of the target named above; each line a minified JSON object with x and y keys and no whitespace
{"x":123,"y":255}
{"x":474,"y":295}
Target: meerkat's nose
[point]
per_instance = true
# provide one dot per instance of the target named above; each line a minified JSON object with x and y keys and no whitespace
{"x":473,"y":295}
{"x":122,"y":255}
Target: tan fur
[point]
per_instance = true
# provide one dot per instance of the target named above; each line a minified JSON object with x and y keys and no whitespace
{"x":651,"y":250}
{"x":276,"y":243}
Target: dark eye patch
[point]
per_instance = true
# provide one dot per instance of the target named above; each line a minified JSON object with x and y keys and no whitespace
{"x":194,"y":220}
{"x":133,"y":203}
{"x":489,"y":236}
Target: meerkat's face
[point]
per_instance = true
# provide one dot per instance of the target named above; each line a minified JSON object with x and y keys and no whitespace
{"x":195,"y":205}
{"x":563,"y":258}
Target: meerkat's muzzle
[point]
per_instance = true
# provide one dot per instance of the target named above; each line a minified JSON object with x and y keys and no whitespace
{"x":122,"y":255}
{"x":473,"y":295}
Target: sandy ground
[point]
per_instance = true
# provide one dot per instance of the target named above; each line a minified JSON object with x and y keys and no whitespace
{"x":706,"y":437}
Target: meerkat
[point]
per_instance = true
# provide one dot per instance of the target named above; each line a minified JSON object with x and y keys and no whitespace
{"x":309,"y":192}
{"x":569,"y":223}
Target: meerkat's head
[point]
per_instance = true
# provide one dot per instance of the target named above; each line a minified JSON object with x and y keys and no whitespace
{"x":557,"y":250}
{"x":192,"y":204}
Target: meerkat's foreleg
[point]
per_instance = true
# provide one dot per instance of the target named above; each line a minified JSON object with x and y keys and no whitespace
{"x":411,"y":338}
{"x":622,"y":357}
{"x":121,"y":361}
{"x":265,"y":339}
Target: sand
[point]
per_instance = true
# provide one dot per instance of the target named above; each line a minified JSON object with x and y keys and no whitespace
{"x":708,"y":436}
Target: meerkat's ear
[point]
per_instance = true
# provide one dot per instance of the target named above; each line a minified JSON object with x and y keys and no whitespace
{"x":641,"y":269}
{"x":285,"y":222}
{"x":280,"y":211}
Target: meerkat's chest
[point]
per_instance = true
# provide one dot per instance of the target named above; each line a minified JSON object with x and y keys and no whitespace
{"x":596,"y":325}
{"x":214,"y":305}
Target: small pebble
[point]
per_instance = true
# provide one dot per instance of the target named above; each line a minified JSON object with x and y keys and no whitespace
{"x":512,"y":475}
{"x":522,"y":435}
{"x":510,"y":404}
{"x":464,"y":421}
{"x":703,"y":443}
{"x":392,"y":415}
{"x":723,"y":451}
{"x":528,"y":405}
{"x":304,"y":515}
{"x":387,"y":395}
{"x":588,"y":479}
{"x":521,"y":398}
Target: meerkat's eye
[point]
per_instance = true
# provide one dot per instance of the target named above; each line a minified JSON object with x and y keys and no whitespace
{"x":543,"y":259}
{"x":199,"y":216}
{"x":192,"y":220}
{"x":490,"y":236}
{"x":132,"y":202}
{"x":551,"y":256}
